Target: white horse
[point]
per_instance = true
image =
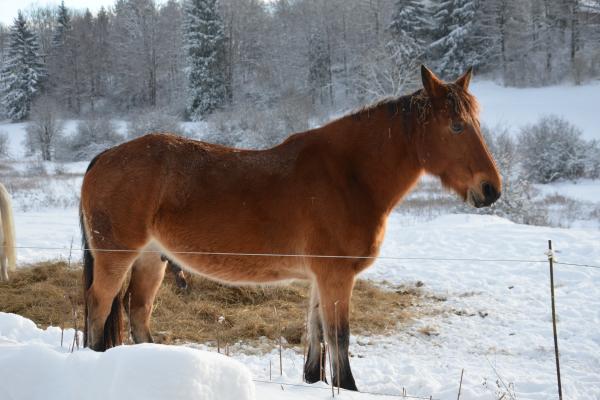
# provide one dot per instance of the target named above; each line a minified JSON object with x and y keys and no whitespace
{"x":8,"y":255}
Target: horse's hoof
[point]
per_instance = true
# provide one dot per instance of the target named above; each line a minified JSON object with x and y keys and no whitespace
{"x":348,"y":384}
{"x":313,"y":377}
{"x":181,"y":281}
{"x":97,"y":347}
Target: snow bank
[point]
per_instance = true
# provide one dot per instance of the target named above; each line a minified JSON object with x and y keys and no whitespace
{"x":34,"y":366}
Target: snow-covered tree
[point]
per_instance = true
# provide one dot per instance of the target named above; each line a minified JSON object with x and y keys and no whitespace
{"x":136,"y":59}
{"x":319,"y":66}
{"x":517,"y":202}
{"x":171,"y":80}
{"x":44,"y":129}
{"x":66,"y":76}
{"x":21,"y":72}
{"x":410,"y":28}
{"x":205,"y":45}
{"x":63,"y":26}
{"x":153,"y":121}
{"x":454,"y":50}
{"x":384,"y":74}
{"x":391,"y":69}
{"x":553,"y":149}
{"x":94,"y":134}
{"x":102,"y":52}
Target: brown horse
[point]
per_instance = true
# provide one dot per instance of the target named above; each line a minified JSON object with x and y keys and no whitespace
{"x":324,"y":192}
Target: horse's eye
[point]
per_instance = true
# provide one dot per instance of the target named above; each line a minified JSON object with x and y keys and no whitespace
{"x":457,"y":127}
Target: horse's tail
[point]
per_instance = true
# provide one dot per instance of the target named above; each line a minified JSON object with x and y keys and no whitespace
{"x":88,"y":274}
{"x":8,"y":228}
{"x":113,"y":327}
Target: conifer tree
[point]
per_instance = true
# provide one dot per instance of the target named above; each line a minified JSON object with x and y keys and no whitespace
{"x":21,"y":72}
{"x":454,"y":50}
{"x":65,"y":77}
{"x":205,"y":48}
{"x":63,"y":26}
{"x":409,"y":29}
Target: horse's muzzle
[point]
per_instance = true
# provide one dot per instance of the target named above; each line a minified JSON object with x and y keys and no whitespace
{"x":488,"y":196}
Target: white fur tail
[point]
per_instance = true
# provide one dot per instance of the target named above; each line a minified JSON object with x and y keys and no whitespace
{"x":8,"y":230}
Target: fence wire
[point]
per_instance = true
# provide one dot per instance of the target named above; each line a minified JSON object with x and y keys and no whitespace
{"x":288,"y":255}
{"x":326,"y":256}
{"x":301,"y":255}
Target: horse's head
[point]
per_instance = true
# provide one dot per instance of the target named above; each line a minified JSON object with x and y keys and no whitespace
{"x":451,"y":145}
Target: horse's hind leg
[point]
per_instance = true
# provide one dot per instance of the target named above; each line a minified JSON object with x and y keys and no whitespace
{"x":103,"y":302}
{"x":335,"y":290}
{"x":314,"y":369}
{"x":146,"y":276}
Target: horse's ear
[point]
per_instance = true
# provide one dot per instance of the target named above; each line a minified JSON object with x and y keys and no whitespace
{"x":464,"y":80}
{"x":433,"y":85}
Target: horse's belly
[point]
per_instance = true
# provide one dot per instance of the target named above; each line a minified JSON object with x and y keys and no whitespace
{"x":247,"y":269}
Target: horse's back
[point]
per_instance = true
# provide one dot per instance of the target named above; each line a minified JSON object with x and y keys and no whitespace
{"x":159,"y":181}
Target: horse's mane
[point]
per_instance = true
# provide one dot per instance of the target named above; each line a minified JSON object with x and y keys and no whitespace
{"x":460,"y":104}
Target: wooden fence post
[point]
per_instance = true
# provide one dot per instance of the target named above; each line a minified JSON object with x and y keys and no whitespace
{"x":551,"y":262}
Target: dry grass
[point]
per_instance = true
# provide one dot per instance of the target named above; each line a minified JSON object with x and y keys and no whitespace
{"x":42,"y":293}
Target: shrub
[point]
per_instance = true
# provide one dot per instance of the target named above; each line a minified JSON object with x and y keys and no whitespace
{"x":552,"y":149}
{"x":592,"y":160}
{"x":516,"y":202}
{"x":153,"y":121}
{"x":251,"y":126}
{"x":504,"y":149}
{"x":44,"y":130}
{"x":94,"y":135}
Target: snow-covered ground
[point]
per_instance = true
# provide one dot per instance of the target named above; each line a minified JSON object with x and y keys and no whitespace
{"x":491,"y":318}
{"x":515,"y":107}
{"x":34,"y":365}
{"x":494,"y":312}
{"x":583,"y":190}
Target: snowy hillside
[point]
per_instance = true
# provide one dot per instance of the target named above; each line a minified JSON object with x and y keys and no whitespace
{"x":515,"y":107}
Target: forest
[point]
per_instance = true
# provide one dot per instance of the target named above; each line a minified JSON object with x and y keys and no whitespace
{"x":296,"y":59}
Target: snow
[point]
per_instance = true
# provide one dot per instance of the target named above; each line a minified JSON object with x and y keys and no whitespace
{"x":515,"y":107}
{"x":583,"y":190}
{"x":496,"y":311}
{"x":37,"y":367}
{"x":16,"y":134}
{"x":47,"y":234}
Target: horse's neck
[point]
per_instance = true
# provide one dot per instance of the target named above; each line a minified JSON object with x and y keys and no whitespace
{"x":383,"y":155}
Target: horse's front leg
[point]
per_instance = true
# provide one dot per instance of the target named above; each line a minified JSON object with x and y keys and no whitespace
{"x":314,"y":369}
{"x":335,"y":290}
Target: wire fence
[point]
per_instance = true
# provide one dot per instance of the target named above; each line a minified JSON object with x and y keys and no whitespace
{"x":331,"y":256}
{"x":550,"y":255}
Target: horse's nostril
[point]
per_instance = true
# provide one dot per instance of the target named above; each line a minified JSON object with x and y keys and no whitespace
{"x":487,"y":189}
{"x":489,"y":192}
